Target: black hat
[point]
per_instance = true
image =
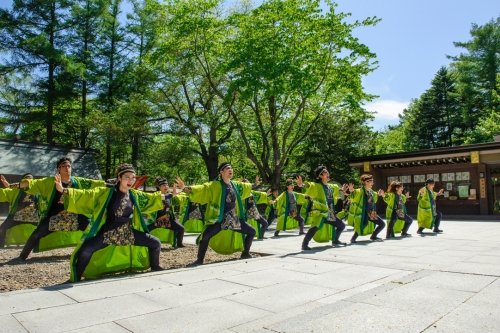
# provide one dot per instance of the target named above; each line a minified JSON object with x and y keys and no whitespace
{"x":319,"y":170}
{"x":160,"y":181}
{"x":429,"y":181}
{"x":26,"y":175}
{"x":124,"y":168}
{"x":223,"y":166}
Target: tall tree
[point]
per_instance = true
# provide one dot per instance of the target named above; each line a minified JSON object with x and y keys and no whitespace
{"x":192,"y":81}
{"x":33,"y":35}
{"x":292,"y":63}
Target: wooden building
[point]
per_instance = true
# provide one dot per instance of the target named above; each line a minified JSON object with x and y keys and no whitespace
{"x":469,"y":174}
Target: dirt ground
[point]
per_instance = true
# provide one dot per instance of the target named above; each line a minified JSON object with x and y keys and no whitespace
{"x":51,"y":268}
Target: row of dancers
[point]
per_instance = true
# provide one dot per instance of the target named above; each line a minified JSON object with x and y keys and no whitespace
{"x":115,"y":227}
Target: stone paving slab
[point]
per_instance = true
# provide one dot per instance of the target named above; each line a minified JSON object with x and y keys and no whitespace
{"x":9,"y":324}
{"x":80,"y":315}
{"x":35,"y":299}
{"x":202,"y":317}
{"x":439,"y":283}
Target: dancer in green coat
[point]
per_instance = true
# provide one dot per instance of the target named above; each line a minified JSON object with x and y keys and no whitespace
{"x":57,"y":227}
{"x":117,"y":220}
{"x":23,"y":214}
{"x":363,"y":210}
{"x":324,"y":197}
{"x":287,"y":205}
{"x":396,"y":214}
{"x":225,"y":212}
{"x":427,"y":215}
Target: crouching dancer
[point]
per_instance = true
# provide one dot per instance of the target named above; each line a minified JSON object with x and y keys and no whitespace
{"x":225,"y":211}
{"x":117,"y":218}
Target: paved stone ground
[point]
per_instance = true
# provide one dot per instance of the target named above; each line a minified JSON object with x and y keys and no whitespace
{"x":436,"y":283}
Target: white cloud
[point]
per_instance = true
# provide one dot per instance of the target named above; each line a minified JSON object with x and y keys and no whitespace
{"x":386,"y":109}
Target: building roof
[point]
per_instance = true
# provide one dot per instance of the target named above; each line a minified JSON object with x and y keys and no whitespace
{"x":435,"y":152}
{"x":19,"y":157}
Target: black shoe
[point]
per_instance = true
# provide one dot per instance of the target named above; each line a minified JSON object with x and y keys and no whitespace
{"x":276,"y":234}
{"x":353,"y":240}
{"x":376,"y":239}
{"x":16,"y":261}
{"x":195,"y":263}
{"x":337,"y":242}
{"x":245,"y":255}
{"x":305,"y":248}
{"x":301,"y":233}
{"x":420,"y":231}
{"x":179,"y":246}
{"x":405,"y":235}
{"x":437,"y":230}
{"x":157,"y":268}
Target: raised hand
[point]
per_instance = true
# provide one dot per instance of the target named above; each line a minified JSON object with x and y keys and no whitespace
{"x":408,"y":195}
{"x":351,"y":187}
{"x":58,"y":183}
{"x":381,"y":193}
{"x":257,"y":180}
{"x":4,"y":181}
{"x":179,"y":183}
{"x":441,"y":192}
{"x":299,"y":180}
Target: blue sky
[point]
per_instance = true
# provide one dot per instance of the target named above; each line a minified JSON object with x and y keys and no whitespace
{"x":411,"y":43}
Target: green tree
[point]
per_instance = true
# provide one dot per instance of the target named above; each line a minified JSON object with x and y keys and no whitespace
{"x":292,"y":63}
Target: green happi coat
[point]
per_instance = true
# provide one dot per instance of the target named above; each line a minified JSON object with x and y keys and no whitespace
{"x":45,"y":189}
{"x":213,"y":194}
{"x":19,"y":233}
{"x":112,"y":258}
{"x":318,"y":211}
{"x":166,"y":236}
{"x":190,"y":224}
{"x":260,"y":198}
{"x":358,"y":216}
{"x":391,"y":201}
{"x":426,"y":208}
{"x":285,"y":222}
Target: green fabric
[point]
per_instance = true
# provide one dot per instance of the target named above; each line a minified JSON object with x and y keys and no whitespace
{"x":94,"y":203}
{"x":114,"y":259}
{"x":390,"y":199}
{"x":357,"y":214}
{"x":227,"y":242}
{"x":426,"y":199}
{"x":213,"y":195}
{"x":319,"y":210}
{"x":285,"y":222}
{"x":45,"y":189}
{"x":257,"y":227}
{"x":319,"y":207}
{"x":325,"y":234}
{"x":19,"y":234}
{"x":166,"y":236}
{"x":190,"y":225}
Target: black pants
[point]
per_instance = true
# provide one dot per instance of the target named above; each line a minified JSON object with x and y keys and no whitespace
{"x":96,"y":243}
{"x":390,"y":227}
{"x":337,"y":224}
{"x":271,"y":217}
{"x":178,"y":230}
{"x":214,"y":229}
{"x":42,"y":230}
{"x":3,"y":230}
{"x":380,"y":226}
{"x":263,"y":226}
